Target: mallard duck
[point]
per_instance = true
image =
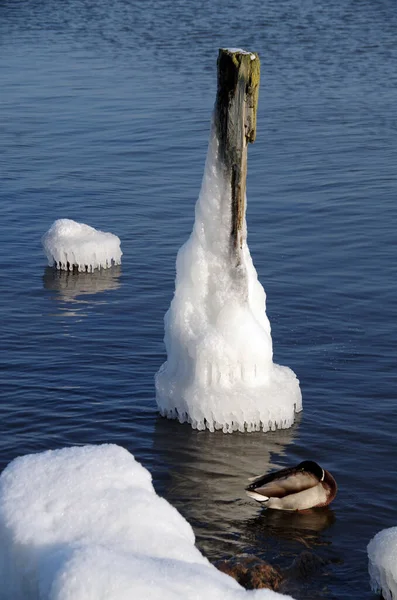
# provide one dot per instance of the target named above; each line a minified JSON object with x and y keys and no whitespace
{"x":296,"y":488}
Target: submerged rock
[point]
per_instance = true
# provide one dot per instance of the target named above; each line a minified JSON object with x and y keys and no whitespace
{"x":251,"y":572}
{"x":304,"y":566}
{"x":254,"y":573}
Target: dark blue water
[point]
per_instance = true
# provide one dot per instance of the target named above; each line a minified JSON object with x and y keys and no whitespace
{"x":105,"y":113}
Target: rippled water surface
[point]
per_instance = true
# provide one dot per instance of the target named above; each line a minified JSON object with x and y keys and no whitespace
{"x":105,"y":113}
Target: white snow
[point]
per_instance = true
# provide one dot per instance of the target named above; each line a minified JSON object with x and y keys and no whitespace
{"x":84,"y":523}
{"x":240,"y":51}
{"x":382,"y":566}
{"x":69,"y":244}
{"x":219,"y":371}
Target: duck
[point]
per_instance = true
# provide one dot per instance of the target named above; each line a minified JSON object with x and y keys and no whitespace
{"x":305,"y":486}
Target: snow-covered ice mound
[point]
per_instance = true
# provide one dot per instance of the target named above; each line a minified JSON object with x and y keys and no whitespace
{"x":382,"y":566}
{"x":68,"y":244}
{"x":85,"y":523}
{"x":219,"y":371}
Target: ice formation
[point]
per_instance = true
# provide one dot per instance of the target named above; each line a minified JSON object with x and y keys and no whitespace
{"x":219,"y":371}
{"x":85,"y":523}
{"x":68,"y":244}
{"x":382,"y":566}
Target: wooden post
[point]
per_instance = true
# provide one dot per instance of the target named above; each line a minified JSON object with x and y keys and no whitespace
{"x":235,"y":121}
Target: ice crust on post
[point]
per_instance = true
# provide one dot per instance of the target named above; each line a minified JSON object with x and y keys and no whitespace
{"x":69,"y":244}
{"x":219,"y":372}
{"x":382,"y":565}
{"x":84,"y":523}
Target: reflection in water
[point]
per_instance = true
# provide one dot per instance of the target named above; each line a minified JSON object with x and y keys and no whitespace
{"x":71,"y":284}
{"x":206,"y":475}
{"x":276,"y":522}
{"x":273,"y":526}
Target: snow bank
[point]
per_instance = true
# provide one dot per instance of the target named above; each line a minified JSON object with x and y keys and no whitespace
{"x":85,"y":523}
{"x":382,"y":555}
{"x":219,"y":371}
{"x":69,"y":244}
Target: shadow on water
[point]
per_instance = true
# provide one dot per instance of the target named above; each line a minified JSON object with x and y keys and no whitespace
{"x":204,"y":474}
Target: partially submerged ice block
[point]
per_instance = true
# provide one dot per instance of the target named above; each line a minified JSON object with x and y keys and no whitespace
{"x":382,"y":565}
{"x":69,"y":244}
{"x":84,"y":523}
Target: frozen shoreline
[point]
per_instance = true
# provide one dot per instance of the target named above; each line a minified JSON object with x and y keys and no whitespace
{"x":85,"y":523}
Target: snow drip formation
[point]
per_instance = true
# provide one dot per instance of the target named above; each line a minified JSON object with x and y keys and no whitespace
{"x":68,"y":244}
{"x":219,"y":372}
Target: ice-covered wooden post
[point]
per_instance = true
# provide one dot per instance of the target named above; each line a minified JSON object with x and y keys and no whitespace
{"x":219,"y":372}
{"x":235,"y":121}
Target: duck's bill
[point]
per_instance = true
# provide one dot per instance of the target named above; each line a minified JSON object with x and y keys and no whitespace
{"x":256,"y":496}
